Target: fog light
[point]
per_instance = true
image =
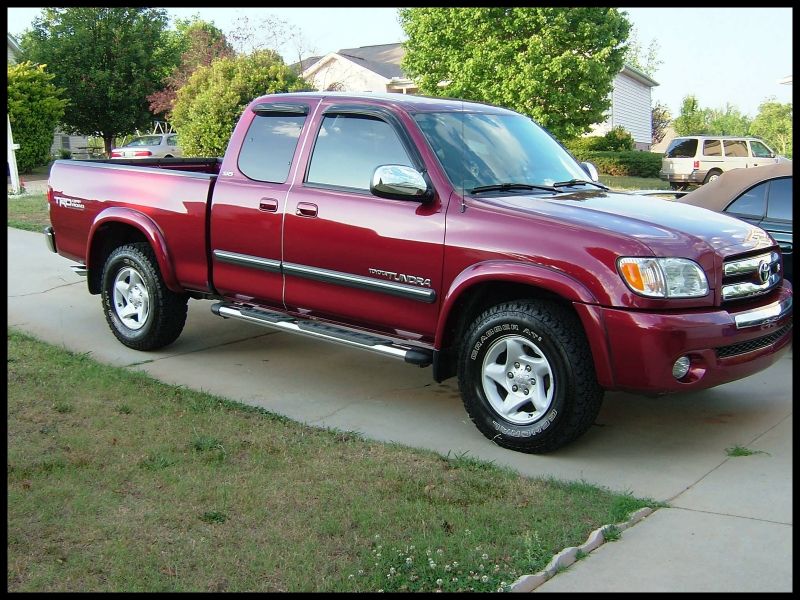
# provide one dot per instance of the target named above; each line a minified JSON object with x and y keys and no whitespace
{"x":681,"y":367}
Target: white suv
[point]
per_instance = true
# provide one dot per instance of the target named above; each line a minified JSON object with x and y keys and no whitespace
{"x":703,"y":158}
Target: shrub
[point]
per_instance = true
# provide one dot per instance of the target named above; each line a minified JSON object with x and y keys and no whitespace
{"x":208,"y":106}
{"x":617,"y":140}
{"x":630,"y":163}
{"x":34,"y":110}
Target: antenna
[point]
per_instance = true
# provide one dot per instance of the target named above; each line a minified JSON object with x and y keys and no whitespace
{"x":463,"y":158}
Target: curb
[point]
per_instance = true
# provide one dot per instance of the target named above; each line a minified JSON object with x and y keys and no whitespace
{"x":565,"y":558}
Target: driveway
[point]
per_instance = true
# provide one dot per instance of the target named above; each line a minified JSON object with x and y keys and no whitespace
{"x":669,"y":448}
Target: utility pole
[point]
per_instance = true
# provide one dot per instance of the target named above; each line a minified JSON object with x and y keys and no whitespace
{"x":12,"y":160}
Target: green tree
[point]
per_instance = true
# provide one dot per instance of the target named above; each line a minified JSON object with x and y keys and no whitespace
{"x":555,"y":65}
{"x":646,"y":61}
{"x":660,"y":119}
{"x":199,"y":43}
{"x":209,"y":105}
{"x":773,"y":124}
{"x":692,"y":120}
{"x":34,"y":109}
{"x":728,"y":121}
{"x":108,"y":60}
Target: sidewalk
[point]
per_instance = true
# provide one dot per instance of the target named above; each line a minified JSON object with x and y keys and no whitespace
{"x":729,"y":525}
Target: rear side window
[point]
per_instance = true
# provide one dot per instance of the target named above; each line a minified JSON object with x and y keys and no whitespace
{"x":172,"y":140}
{"x":735,"y":148}
{"x":681,"y":148}
{"x":752,"y":203}
{"x":269,"y":146}
{"x":760,"y":150}
{"x":780,"y":199}
{"x":350,"y":147}
{"x":712,"y":148}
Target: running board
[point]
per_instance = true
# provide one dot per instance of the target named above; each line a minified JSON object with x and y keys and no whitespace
{"x":355,"y":339}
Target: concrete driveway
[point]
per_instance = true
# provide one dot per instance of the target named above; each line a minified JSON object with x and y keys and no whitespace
{"x":730,"y":524}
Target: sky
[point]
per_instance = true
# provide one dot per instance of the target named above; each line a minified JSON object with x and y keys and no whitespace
{"x":721,"y":55}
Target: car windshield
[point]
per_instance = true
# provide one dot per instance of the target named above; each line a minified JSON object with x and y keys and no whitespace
{"x":145,"y":140}
{"x":482,"y":149}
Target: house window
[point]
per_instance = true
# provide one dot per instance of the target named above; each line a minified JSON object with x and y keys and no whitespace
{"x":65,"y":142}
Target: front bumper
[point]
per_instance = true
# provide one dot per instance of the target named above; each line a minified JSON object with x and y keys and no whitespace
{"x":722,"y":345}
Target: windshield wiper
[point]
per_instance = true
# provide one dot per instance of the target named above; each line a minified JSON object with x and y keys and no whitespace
{"x":502,"y":187}
{"x":578,"y":182}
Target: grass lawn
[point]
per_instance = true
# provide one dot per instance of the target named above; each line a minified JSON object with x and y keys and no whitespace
{"x":28,"y":212}
{"x":633,"y":183}
{"x":117,"y":482}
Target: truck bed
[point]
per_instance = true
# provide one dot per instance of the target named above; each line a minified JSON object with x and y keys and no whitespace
{"x":169,"y":194}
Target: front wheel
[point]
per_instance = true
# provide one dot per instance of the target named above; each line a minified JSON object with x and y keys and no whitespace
{"x":527,"y":378}
{"x":142,"y":312}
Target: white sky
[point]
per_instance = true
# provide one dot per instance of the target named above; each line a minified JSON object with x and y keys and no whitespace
{"x":721,"y":55}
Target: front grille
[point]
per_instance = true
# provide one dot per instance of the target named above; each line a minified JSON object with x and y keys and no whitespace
{"x":750,"y":276}
{"x":751,"y":345}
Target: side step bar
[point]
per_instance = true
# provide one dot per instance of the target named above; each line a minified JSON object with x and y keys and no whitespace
{"x":416,"y":356}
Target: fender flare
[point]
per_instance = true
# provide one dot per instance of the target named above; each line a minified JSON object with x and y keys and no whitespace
{"x":151,"y":231}
{"x":510,"y":271}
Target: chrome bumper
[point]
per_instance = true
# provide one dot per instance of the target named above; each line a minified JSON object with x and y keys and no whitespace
{"x":772,"y":312}
{"x":50,"y":238}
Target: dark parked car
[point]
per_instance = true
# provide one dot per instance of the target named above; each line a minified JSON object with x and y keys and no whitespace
{"x":760,"y":195}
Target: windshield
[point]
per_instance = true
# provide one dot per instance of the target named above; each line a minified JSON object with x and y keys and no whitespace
{"x":481,"y":149}
{"x":147,"y":140}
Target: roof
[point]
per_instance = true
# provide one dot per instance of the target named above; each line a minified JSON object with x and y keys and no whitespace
{"x":731,"y":184}
{"x":304,"y":64}
{"x":408,"y":102}
{"x":13,"y":44}
{"x":636,"y":74}
{"x":383,"y":59}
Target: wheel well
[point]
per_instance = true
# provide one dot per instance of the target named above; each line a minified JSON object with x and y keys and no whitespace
{"x":107,"y":238}
{"x":471,"y":304}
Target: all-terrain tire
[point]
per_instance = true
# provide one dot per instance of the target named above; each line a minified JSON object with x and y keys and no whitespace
{"x":142,"y":312}
{"x":509,"y":350}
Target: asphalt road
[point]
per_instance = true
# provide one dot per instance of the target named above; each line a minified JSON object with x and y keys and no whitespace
{"x":729,"y":525}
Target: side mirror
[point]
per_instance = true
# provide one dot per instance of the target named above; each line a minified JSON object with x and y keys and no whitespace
{"x":591,"y":170}
{"x":400,"y":183}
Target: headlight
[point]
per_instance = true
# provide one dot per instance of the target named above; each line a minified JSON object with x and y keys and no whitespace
{"x":663,"y":277}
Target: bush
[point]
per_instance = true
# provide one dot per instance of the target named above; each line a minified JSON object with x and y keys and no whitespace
{"x":208,"y":106}
{"x":616,"y":140}
{"x":34,"y":110}
{"x":630,"y":163}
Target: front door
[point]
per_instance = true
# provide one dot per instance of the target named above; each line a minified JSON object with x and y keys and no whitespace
{"x":350,"y":256}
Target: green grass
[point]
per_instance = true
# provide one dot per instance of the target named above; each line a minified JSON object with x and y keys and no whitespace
{"x":633,"y":183}
{"x":143,"y":486}
{"x":28,"y":212}
{"x":742,"y":451}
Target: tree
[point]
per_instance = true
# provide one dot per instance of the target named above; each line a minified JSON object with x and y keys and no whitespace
{"x":556,"y":65}
{"x":693,"y":120}
{"x":773,"y":124}
{"x":728,"y":121}
{"x":660,"y":119}
{"x":108,"y":60}
{"x":199,"y":43}
{"x":208,"y":106}
{"x":34,"y":109}
{"x":648,"y":61}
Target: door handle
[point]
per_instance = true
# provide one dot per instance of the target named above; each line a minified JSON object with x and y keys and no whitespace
{"x":306,"y":209}
{"x":268,"y":205}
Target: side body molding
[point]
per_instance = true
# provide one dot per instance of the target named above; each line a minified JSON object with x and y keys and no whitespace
{"x":151,"y":231}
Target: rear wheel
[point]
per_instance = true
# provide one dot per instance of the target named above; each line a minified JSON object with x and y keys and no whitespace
{"x":527,"y":378}
{"x":681,"y":187}
{"x":142,"y":312}
{"x":712,"y":175}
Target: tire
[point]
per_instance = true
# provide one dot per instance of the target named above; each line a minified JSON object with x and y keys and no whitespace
{"x":538,"y":343}
{"x":680,"y":187}
{"x":712,"y":175}
{"x":141,"y":311}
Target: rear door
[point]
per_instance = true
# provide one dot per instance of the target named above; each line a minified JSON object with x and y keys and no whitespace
{"x":737,"y":156}
{"x":350,"y":256}
{"x":679,"y":158}
{"x":249,"y":200}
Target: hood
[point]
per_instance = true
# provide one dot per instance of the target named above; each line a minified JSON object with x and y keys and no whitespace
{"x":666,"y":227}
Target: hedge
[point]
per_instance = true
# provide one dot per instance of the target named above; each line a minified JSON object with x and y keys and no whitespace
{"x":633,"y":163}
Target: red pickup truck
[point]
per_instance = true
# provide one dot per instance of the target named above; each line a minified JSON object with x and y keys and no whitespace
{"x":444,"y":233}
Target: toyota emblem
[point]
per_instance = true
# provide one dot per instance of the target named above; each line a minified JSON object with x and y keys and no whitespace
{"x":764,"y":271}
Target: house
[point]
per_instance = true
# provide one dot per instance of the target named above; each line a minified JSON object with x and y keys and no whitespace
{"x":631,"y":104}
{"x":377,"y":69}
{"x":76,"y":145}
